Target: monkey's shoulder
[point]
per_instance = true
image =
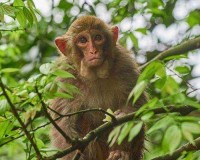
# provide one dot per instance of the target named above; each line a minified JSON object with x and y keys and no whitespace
{"x":125,"y":64}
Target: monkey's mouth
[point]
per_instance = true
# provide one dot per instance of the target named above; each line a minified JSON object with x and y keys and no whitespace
{"x":96,"y":61}
{"x":95,"y":58}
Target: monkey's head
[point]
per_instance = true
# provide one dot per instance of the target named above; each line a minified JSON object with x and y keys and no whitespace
{"x":89,"y":43}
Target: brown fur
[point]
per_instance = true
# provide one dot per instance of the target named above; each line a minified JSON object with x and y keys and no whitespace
{"x":110,"y":92}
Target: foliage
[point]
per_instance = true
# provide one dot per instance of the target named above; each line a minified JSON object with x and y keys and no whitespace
{"x":27,"y":74}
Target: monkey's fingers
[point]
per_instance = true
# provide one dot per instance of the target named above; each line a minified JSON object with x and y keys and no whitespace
{"x":118,"y":155}
{"x":118,"y":113}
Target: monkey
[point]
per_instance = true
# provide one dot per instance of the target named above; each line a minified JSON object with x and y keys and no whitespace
{"x":105,"y":75}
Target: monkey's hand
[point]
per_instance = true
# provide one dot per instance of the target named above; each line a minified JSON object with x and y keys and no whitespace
{"x":119,"y":113}
{"x":118,"y":155}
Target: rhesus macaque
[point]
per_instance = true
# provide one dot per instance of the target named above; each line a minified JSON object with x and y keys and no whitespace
{"x":105,"y":74}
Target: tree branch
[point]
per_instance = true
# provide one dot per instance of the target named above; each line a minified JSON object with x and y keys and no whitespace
{"x":17,"y":116}
{"x":85,"y":111}
{"x":78,"y":154}
{"x":177,"y":50}
{"x":67,"y":138}
{"x":108,"y":125}
{"x":12,"y":30}
{"x":177,"y":153}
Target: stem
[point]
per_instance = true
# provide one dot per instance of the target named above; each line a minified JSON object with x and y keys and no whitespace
{"x":177,"y":50}
{"x":17,"y":116}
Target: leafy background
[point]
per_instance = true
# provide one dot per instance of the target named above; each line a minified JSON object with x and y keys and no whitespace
{"x":27,"y":54}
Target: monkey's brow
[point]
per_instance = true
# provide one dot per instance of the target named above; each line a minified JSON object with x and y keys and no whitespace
{"x":68,"y":37}
{"x":77,"y":27}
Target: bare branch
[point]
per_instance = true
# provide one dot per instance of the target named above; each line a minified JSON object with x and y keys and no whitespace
{"x":177,"y":153}
{"x":108,"y":125}
{"x":11,"y":140}
{"x":78,"y":154}
{"x":12,"y":30}
{"x":17,"y":116}
{"x":85,"y":111}
{"x":177,"y":50}
{"x":67,"y":138}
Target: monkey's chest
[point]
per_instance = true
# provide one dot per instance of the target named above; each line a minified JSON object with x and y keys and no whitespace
{"x":110,"y":95}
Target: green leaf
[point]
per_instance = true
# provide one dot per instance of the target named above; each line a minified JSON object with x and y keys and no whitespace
{"x":9,"y":70}
{"x":1,"y":16}
{"x":161,"y":77}
{"x":137,"y":91}
{"x":171,"y":87}
{"x":34,"y":16}
{"x":160,"y":82}
{"x":108,"y":118}
{"x":18,"y":3}
{"x":46,"y":68}
{"x":134,"y":40}
{"x":40,"y":143}
{"x":193,"y":18}
{"x":162,"y":123}
{"x":69,"y":88}
{"x":192,"y":127}
{"x":176,"y":57}
{"x":65,"y":5}
{"x":187,"y":118}
{"x":34,"y":78}
{"x":63,"y":95}
{"x":147,"y":116}
{"x":51,"y":88}
{"x":63,"y":74}
{"x":150,"y":104}
{"x":7,"y":10}
{"x":142,"y":30}
{"x":150,"y":71}
{"x":114,"y":135}
{"x":135,"y":131}
{"x":187,"y":134}
{"x":4,"y":106}
{"x":179,"y":98}
{"x":192,"y":103}
{"x":28,"y":15}
{"x":30,"y":4}
{"x":183,"y":69}
{"x":6,"y":127}
{"x":172,"y":139}
{"x":124,"y":132}
{"x":21,"y":18}
{"x":176,"y":98}
{"x":0,"y":34}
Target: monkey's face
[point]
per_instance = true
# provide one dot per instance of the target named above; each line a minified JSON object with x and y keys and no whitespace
{"x":91,"y":43}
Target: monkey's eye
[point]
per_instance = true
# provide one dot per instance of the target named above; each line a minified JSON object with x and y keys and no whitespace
{"x":82,"y":40}
{"x":98,"y":37}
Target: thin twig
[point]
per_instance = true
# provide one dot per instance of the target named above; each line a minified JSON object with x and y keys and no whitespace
{"x":52,"y":7}
{"x":12,"y":30}
{"x":177,"y":153}
{"x":17,"y":116}
{"x":196,"y":89}
{"x":177,"y":50}
{"x":85,"y":111}
{"x":78,"y":153}
{"x":67,"y":138}
{"x":12,"y":139}
{"x":191,"y":86}
{"x":108,"y":125}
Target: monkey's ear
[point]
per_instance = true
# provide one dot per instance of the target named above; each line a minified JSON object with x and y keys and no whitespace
{"x":115,"y":31}
{"x":61,"y":43}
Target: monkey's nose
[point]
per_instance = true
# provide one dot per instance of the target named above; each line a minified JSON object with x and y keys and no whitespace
{"x":93,"y":52}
